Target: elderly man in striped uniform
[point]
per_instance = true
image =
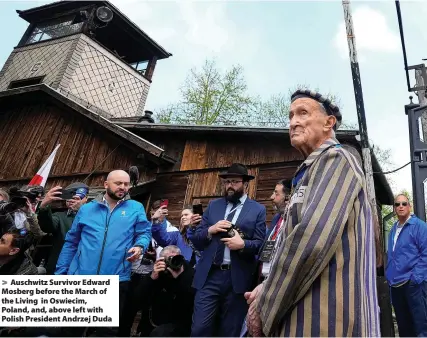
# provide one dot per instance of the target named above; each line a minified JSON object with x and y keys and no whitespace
{"x":322,"y":280}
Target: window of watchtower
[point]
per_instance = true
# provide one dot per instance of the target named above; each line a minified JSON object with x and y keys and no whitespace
{"x":54,"y":28}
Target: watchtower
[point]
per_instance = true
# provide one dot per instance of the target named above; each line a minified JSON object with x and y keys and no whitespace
{"x":88,"y":51}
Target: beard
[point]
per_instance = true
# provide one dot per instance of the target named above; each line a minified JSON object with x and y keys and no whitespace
{"x":113,"y":195}
{"x":232,"y":195}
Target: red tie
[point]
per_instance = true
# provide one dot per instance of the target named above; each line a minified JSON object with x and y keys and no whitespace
{"x":276,"y":230}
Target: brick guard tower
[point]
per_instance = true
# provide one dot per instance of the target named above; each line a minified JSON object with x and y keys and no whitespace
{"x":88,"y":51}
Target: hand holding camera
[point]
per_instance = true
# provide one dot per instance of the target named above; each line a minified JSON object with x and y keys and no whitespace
{"x":160,"y":213}
{"x":172,"y":264}
{"x":52,"y":195}
{"x":234,"y":239}
{"x":219,"y":227}
{"x":195,"y":219}
{"x":19,"y":200}
{"x":159,"y":267}
{"x":28,"y":208}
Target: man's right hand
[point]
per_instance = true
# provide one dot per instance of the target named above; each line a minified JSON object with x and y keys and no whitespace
{"x":159,"y":267}
{"x":221,"y":226}
{"x":52,"y":195}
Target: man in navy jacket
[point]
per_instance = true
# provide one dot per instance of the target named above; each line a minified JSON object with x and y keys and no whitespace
{"x":406,"y":270}
{"x":280,"y":199}
{"x":230,"y":235}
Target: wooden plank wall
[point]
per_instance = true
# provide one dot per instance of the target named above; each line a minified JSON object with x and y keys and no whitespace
{"x":218,"y":153}
{"x":267,"y":179}
{"x":29,"y":134}
{"x":172,"y":187}
{"x":205,"y":186}
{"x":185,"y":189}
{"x":173,"y":146}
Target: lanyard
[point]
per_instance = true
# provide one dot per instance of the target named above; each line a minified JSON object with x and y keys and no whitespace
{"x":277,"y":228}
{"x":234,"y":209}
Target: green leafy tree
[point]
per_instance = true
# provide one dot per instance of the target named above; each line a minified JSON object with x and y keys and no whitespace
{"x":210,"y":97}
{"x":274,"y":111}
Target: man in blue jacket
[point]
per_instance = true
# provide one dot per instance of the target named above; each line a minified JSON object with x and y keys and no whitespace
{"x":407,"y":270}
{"x":107,"y":235}
{"x":227,"y":265}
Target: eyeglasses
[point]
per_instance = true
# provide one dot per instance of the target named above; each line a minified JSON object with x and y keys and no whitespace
{"x":404,"y":204}
{"x":233,"y":182}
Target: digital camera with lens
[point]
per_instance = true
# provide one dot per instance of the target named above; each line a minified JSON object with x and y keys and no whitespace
{"x":231,"y":232}
{"x":19,"y":195}
{"x":175,"y":262}
{"x":8,"y":207}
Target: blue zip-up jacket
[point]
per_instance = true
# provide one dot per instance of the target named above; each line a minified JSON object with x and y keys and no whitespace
{"x":99,"y":240}
{"x":408,"y":261}
{"x":164,"y":238}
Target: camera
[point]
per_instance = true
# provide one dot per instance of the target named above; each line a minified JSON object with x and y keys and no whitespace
{"x":18,"y":196}
{"x":7,"y":208}
{"x":231,"y":232}
{"x":175,"y":262}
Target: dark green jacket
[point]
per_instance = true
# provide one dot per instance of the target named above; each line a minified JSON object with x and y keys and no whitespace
{"x":57,"y":224}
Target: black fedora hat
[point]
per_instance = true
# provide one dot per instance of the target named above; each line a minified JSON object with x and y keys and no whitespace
{"x":237,"y":170}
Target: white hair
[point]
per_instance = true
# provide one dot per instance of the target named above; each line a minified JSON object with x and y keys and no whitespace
{"x":4,"y":195}
{"x":170,"y":249}
{"x":324,"y":110}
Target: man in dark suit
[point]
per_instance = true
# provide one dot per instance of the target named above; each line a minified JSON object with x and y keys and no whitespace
{"x":230,"y":235}
{"x":280,"y":199}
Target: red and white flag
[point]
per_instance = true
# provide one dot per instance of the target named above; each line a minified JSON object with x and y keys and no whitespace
{"x":41,"y":177}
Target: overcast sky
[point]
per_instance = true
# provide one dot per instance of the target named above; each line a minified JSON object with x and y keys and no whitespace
{"x":281,"y":44}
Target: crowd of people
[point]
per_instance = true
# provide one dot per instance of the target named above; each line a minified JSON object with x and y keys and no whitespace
{"x":223,"y":271}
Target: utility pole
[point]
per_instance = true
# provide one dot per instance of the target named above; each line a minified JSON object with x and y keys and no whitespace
{"x":422,"y":100}
{"x":386,"y":321}
{"x":417,"y":122}
{"x":358,"y":95}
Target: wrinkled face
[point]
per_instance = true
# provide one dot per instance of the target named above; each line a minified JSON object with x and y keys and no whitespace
{"x":309,"y":124}
{"x":186,"y":217}
{"x":402,"y":208}
{"x":117,"y":186}
{"x":279,"y":198}
{"x":6,"y":248}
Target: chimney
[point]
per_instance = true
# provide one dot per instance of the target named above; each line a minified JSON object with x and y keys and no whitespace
{"x":147,"y":118}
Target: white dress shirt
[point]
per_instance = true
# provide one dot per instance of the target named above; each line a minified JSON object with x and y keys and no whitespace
{"x":227,"y":259}
{"x":398,"y":230}
{"x":137,"y":267}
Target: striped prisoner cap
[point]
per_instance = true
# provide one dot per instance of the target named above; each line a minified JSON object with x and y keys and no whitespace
{"x":331,"y":109}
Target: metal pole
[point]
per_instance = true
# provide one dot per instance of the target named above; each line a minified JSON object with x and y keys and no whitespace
{"x":385,"y":220}
{"x":402,"y":40}
{"x":358,"y":95}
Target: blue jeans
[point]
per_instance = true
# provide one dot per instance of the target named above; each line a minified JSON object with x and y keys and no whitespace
{"x":410,"y":306}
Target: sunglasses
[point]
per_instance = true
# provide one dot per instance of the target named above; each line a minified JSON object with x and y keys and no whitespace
{"x":404,"y":204}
